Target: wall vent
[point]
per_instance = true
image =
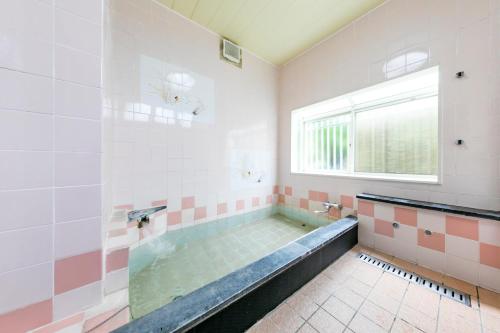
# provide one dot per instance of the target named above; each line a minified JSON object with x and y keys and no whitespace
{"x":437,"y":287}
{"x":231,"y":52}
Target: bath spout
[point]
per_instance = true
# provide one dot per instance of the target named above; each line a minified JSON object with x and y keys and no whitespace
{"x":142,"y":215}
{"x":328,"y":205}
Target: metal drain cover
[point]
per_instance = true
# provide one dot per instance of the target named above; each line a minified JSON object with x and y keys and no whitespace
{"x":415,"y":278}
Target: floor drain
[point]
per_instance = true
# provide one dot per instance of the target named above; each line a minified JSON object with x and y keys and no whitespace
{"x":415,"y":278}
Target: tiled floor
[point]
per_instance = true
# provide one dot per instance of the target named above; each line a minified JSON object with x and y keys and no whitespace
{"x":353,"y":296}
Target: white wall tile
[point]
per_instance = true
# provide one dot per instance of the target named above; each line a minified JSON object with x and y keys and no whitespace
{"x":18,"y":208}
{"x":75,"y":32}
{"x":366,"y":230}
{"x":28,"y":17}
{"x":16,"y":170}
{"x":489,"y":278}
{"x":462,"y":268}
{"x":384,"y":212}
{"x":25,"y":131}
{"x":384,"y":244}
{"x":90,"y":9}
{"x":25,"y":286}
{"x":72,"y":169}
{"x":75,"y":66}
{"x":489,"y":232}
{"x":69,"y":241}
{"x":433,"y":221}
{"x":76,"y":300}
{"x":75,"y":203}
{"x":23,"y":248}
{"x":77,"y":100}
{"x":77,"y":135}
{"x":116,"y":280}
{"x":462,"y":247}
{"x":434,"y":260}
{"x":25,"y":92}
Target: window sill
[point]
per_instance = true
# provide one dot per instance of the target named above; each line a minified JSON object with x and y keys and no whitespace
{"x":382,"y":177}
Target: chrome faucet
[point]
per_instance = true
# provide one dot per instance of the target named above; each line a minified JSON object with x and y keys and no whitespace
{"x":142,"y":215}
{"x":328,"y":205}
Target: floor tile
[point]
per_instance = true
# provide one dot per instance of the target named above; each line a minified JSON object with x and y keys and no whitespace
{"x":266,"y":325}
{"x":339,"y":310}
{"x":384,"y":301}
{"x":401,"y":326}
{"x":422,"y":299}
{"x":302,"y":304}
{"x":417,"y":319}
{"x":378,"y":315}
{"x":349,"y":297}
{"x":324,"y":322}
{"x":361,"y":324}
{"x":286,"y":319}
{"x":306,"y":328}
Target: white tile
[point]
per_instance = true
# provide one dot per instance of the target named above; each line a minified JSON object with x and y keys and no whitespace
{"x":73,"y":238}
{"x":72,"y":169}
{"x":489,"y":232}
{"x":77,"y":135}
{"x":433,"y":221}
{"x":25,"y":286}
{"x":384,"y":212}
{"x":462,"y":247}
{"x":18,"y":208}
{"x":462,"y":269}
{"x":76,"y":100}
{"x":116,"y":280}
{"x":434,"y":260}
{"x":489,"y":278}
{"x":25,"y":131}
{"x":74,"y":203}
{"x":405,"y":242}
{"x":23,"y":248}
{"x":75,"y":66}
{"x":28,"y":17}
{"x":23,"y":170}
{"x":76,"y":300}
{"x":89,"y":9}
{"x":365,"y":230}
{"x":25,"y":92}
{"x":75,"y":32}
{"x":384,"y":244}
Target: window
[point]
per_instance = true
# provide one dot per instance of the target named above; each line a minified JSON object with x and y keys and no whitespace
{"x":387,"y":131}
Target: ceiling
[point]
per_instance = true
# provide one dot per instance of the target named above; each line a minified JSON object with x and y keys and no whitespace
{"x":276,"y":30}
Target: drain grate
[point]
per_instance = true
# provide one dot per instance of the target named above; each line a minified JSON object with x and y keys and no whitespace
{"x":415,"y":278}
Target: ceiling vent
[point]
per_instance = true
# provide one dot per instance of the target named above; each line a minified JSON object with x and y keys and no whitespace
{"x":231,"y":52}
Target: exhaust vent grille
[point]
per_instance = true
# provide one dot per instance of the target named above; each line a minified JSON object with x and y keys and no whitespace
{"x":231,"y":52}
{"x":415,"y":278}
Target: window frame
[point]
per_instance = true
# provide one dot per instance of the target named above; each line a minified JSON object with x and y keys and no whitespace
{"x":301,"y":116}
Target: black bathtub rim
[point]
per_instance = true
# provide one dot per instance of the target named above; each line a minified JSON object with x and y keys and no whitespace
{"x":284,"y":258}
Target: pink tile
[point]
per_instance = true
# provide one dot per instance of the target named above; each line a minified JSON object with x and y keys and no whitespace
{"x":436,"y":241}
{"x":347,"y":201}
{"x":366,"y":208}
{"x":27,"y":318}
{"x":406,"y":216}
{"x":159,"y":203}
{"x":77,"y":271}
{"x":59,"y":325}
{"x":222,"y":208}
{"x":187,"y":202}
{"x":334,"y":213}
{"x":304,"y":203}
{"x":318,"y":196}
{"x":288,"y":190}
{"x":255,"y":201}
{"x":117,"y":260}
{"x":125,"y":206}
{"x":174,"y":218}
{"x":269,"y":199}
{"x":462,"y":227}
{"x":276,"y":189}
{"x":117,"y":232}
{"x":200,"y":213}
{"x":281,"y":199}
{"x":384,"y":228}
{"x":489,"y":255}
{"x":240,"y":204}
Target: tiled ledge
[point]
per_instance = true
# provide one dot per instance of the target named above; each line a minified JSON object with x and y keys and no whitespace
{"x":193,"y":309}
{"x":467,"y":211}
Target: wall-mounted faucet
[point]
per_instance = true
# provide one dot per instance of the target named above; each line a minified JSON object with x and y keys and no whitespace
{"x":328,"y":205}
{"x":142,"y":215}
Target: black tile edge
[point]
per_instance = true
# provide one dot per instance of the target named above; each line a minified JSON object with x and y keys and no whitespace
{"x":217,"y":298}
{"x":459,"y":210}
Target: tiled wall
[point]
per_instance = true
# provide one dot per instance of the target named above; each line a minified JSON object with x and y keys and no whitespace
{"x":198,"y":167}
{"x":50,"y":154}
{"x":457,"y":35}
{"x":463,"y":247}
